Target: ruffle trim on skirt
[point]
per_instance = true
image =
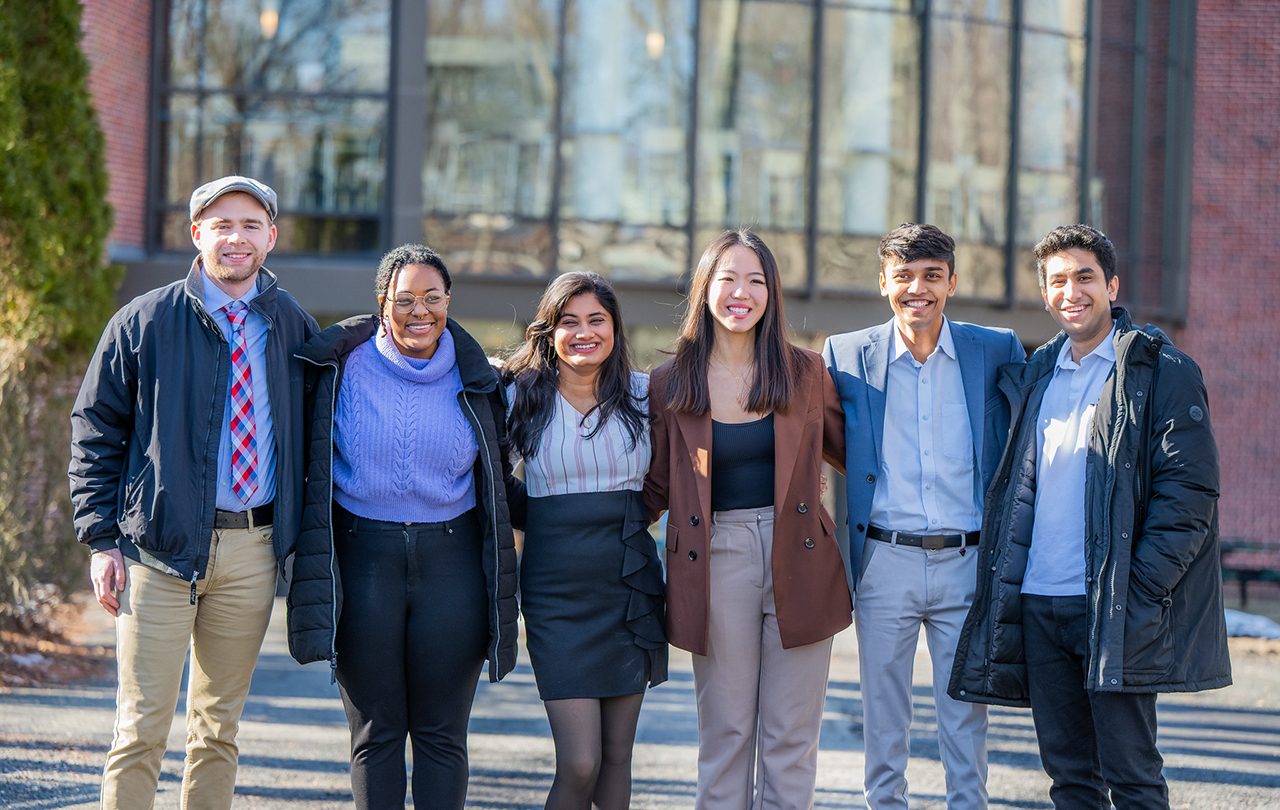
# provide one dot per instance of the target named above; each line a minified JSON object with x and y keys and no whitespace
{"x":642,"y":574}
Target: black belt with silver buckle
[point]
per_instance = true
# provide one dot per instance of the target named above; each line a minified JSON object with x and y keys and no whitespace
{"x":257,"y":516}
{"x":928,"y":542}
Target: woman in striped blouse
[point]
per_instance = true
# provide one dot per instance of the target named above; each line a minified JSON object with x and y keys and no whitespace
{"x":591,"y":583}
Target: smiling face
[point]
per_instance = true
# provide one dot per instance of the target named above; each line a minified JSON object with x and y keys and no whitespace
{"x":583,"y":336}
{"x":234,"y":236}
{"x":918,"y":292}
{"x":1078,"y":296}
{"x":416,"y":333}
{"x":737,"y":293}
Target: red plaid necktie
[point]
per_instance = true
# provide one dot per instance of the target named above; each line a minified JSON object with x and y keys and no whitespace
{"x":244,"y":442}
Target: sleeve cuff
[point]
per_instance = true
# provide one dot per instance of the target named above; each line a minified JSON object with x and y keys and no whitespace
{"x":105,"y":544}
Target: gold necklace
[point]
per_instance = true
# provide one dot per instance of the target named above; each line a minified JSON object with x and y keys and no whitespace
{"x":737,"y":378}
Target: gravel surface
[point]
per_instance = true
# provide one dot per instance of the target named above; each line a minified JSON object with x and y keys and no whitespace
{"x":1221,"y":748}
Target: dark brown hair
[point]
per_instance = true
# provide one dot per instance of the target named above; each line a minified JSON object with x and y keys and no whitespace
{"x":1081,"y":237}
{"x":532,"y":368}
{"x":911,"y":242}
{"x":777,"y":363}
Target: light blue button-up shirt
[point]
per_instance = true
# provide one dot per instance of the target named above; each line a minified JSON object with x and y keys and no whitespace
{"x":255,"y":335}
{"x":927,"y":458}
{"x":1055,"y":564}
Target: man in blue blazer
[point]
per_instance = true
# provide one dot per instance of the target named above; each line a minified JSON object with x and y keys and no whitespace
{"x":924,"y":429}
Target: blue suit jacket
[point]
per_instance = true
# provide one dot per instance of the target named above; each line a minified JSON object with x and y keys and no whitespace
{"x":859,"y":365}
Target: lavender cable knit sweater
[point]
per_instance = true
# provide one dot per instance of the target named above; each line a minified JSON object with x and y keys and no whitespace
{"x":403,"y":450}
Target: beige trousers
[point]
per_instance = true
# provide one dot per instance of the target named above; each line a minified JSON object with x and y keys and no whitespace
{"x":752,"y":694}
{"x":224,"y":630}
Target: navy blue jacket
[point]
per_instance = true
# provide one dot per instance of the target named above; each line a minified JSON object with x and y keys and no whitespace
{"x":146,"y":424}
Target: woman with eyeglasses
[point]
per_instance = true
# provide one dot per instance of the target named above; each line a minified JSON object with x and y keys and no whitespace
{"x":756,"y":586}
{"x":590,"y":578}
{"x":405,"y":573}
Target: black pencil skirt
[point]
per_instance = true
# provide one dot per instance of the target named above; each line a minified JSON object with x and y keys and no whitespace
{"x":591,"y":593}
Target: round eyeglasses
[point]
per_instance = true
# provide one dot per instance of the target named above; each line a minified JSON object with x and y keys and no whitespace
{"x":404,"y":303}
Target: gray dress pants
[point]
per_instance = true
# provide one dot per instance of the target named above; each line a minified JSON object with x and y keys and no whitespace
{"x":901,"y":588}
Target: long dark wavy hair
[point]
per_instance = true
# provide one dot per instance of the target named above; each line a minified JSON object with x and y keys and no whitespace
{"x":533,"y":368}
{"x":777,"y":364}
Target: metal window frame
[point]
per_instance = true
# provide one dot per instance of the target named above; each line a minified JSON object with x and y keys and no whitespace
{"x":402,"y":217}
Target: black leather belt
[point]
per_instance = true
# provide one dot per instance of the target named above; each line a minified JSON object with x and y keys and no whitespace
{"x":928,"y":542}
{"x":260,"y":516}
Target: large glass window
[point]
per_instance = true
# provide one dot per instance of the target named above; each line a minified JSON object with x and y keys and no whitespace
{"x":967,"y":179}
{"x":491,"y":104}
{"x":1051,"y":126}
{"x":621,"y":136}
{"x":754,"y":117}
{"x":625,"y":191}
{"x":292,"y":92}
{"x":870,"y":135}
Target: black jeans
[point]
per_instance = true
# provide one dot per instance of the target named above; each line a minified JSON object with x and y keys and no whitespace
{"x":1090,"y":741}
{"x":411,"y":641}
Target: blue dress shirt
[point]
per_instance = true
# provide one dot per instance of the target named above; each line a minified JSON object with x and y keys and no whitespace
{"x":925,"y":484}
{"x":1055,"y":563}
{"x":255,"y":335}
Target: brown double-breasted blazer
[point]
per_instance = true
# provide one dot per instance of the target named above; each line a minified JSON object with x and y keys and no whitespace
{"x":809,"y":585}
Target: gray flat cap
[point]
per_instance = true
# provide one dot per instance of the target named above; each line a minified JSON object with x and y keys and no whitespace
{"x":206,"y":194}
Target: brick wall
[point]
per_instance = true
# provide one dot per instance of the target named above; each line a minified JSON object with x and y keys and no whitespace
{"x":117,"y":41}
{"x":1233,"y":326}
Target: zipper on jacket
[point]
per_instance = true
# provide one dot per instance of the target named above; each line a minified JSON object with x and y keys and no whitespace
{"x":333,"y":550}
{"x":493,"y":516}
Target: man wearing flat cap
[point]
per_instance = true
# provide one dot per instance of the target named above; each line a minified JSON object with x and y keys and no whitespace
{"x":186,"y":478}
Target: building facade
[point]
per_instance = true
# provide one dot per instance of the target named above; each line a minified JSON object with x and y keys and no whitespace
{"x":525,"y":138}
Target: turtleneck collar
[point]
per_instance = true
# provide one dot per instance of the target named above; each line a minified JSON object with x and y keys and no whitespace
{"x":413,"y":369}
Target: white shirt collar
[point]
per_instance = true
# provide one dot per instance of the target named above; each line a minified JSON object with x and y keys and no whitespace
{"x":1106,"y":350}
{"x":945,"y":342}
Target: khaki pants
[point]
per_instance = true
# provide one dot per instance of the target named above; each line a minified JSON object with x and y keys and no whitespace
{"x":224,"y":630}
{"x":752,"y":694}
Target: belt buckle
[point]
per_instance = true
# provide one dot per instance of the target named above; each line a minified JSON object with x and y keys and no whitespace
{"x":933,"y":542}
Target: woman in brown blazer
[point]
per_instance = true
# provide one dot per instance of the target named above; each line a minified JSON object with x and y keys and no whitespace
{"x":755,"y":585}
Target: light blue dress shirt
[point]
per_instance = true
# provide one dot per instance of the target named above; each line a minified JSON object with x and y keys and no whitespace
{"x":927,"y":460}
{"x":255,"y":335}
{"x":1055,"y":563}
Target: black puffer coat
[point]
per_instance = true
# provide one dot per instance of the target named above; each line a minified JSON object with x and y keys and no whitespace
{"x":315,"y":591}
{"x":1154,"y":601}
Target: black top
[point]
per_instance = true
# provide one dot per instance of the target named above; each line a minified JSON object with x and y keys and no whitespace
{"x":742,"y":464}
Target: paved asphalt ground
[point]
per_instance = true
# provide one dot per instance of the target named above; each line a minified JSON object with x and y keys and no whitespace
{"x":1221,"y":748}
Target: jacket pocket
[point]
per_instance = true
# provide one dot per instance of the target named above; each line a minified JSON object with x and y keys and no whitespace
{"x":1148,"y":635}
{"x":139,"y":504}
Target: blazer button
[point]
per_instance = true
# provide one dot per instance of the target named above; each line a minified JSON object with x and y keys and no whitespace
{"x":861,"y":528}
{"x":693,"y":555}
{"x":693,"y":521}
{"x":871,"y":479}
{"x":808,"y":543}
{"x":802,"y":508}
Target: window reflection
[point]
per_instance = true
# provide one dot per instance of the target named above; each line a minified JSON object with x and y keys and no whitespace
{"x":1049,"y":154}
{"x":870,"y":130}
{"x":323,"y":157}
{"x":308,"y":46}
{"x":491,"y":95}
{"x":969,"y":147}
{"x":1060,"y":16}
{"x":754,"y":114}
{"x":625,"y":120}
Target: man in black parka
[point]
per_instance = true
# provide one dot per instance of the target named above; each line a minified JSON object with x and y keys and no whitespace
{"x":1099,"y":583}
